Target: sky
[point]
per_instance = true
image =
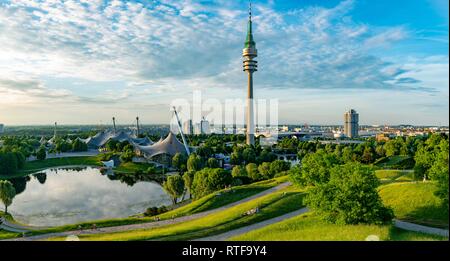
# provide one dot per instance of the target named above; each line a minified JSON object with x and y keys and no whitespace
{"x":84,"y":61}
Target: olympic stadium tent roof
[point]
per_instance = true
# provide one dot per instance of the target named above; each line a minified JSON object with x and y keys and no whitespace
{"x":170,"y":145}
{"x":101,"y":138}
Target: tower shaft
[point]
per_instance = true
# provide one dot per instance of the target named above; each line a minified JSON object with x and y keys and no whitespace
{"x":250,"y":136}
{"x":249,"y":53}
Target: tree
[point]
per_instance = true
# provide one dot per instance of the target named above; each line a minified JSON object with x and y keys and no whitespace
{"x":349,"y":197}
{"x":8,"y":163}
{"x":368,"y":155}
{"x":264,"y":170}
{"x":249,"y":155}
{"x":188,"y":178}
{"x":174,"y":186}
{"x":111,"y":145}
{"x":212,"y":163}
{"x":41,"y":154}
{"x":236,"y":158}
{"x":315,"y":168}
{"x":194,"y":162}
{"x":209,"y":180}
{"x":391,"y":147}
{"x":238,"y":171}
{"x":347,"y":154}
{"x":379,"y":150}
{"x":7,"y":193}
{"x":127,"y":156}
{"x":439,"y":172}
{"x":78,"y":145}
{"x":252,"y":171}
{"x":179,"y":160}
{"x":278,"y":166}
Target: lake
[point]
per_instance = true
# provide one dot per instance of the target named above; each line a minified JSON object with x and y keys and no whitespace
{"x":64,"y":196}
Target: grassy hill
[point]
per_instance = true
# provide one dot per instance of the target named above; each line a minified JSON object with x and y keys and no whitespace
{"x":394,"y":175}
{"x":415,"y":202}
{"x":309,"y":227}
{"x":395,"y":162}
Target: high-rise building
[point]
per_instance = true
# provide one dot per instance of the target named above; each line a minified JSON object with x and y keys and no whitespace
{"x":204,"y":126}
{"x":188,"y":128}
{"x":351,"y":118}
{"x":1,"y":128}
{"x":249,"y":53}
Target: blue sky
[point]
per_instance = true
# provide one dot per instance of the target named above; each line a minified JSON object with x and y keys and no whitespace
{"x":85,"y":61}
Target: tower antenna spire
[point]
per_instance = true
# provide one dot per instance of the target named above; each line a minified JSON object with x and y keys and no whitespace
{"x":250,"y":10}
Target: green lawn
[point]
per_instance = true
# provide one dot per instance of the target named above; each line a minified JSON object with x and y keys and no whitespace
{"x":271,"y":205}
{"x":415,"y":202}
{"x":208,"y":202}
{"x":37,"y":165}
{"x":131,"y":167}
{"x":390,"y":174}
{"x":309,"y":227}
{"x":395,"y":162}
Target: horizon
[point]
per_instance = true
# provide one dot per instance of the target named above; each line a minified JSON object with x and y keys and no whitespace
{"x":83,"y":62}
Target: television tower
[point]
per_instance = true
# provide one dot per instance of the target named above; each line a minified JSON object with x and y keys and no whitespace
{"x":249,"y":53}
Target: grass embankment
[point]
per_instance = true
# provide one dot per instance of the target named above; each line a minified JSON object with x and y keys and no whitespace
{"x":271,"y":205}
{"x":131,"y":167}
{"x":208,"y":202}
{"x":395,"y":162}
{"x":309,"y":227}
{"x":6,"y":234}
{"x":393,"y":175}
{"x":415,"y":202}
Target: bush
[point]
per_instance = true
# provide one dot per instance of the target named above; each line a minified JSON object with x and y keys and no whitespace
{"x":153,"y":211}
{"x":349,"y":197}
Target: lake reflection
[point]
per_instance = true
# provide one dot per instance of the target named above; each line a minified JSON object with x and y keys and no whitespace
{"x":64,"y":196}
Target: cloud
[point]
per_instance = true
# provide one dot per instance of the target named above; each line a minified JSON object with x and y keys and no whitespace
{"x":313,"y":47}
{"x":153,"y":51}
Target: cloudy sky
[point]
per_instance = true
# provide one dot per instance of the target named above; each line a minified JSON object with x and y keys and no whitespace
{"x":85,"y":61}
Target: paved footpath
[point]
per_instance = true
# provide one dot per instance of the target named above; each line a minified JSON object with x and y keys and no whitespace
{"x":243,"y":230}
{"x":150,"y":224}
{"x":419,"y":228}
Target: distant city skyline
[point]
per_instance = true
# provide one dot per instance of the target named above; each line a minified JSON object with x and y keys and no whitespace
{"x":83,"y":62}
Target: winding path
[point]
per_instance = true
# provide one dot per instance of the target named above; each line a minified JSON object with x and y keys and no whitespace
{"x":150,"y":224}
{"x":419,"y":228}
{"x":242,"y":230}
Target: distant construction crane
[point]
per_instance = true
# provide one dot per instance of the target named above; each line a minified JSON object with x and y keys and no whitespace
{"x":181,"y":132}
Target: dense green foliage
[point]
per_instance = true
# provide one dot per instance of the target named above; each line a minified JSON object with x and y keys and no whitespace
{"x":349,"y":197}
{"x":209,"y":180}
